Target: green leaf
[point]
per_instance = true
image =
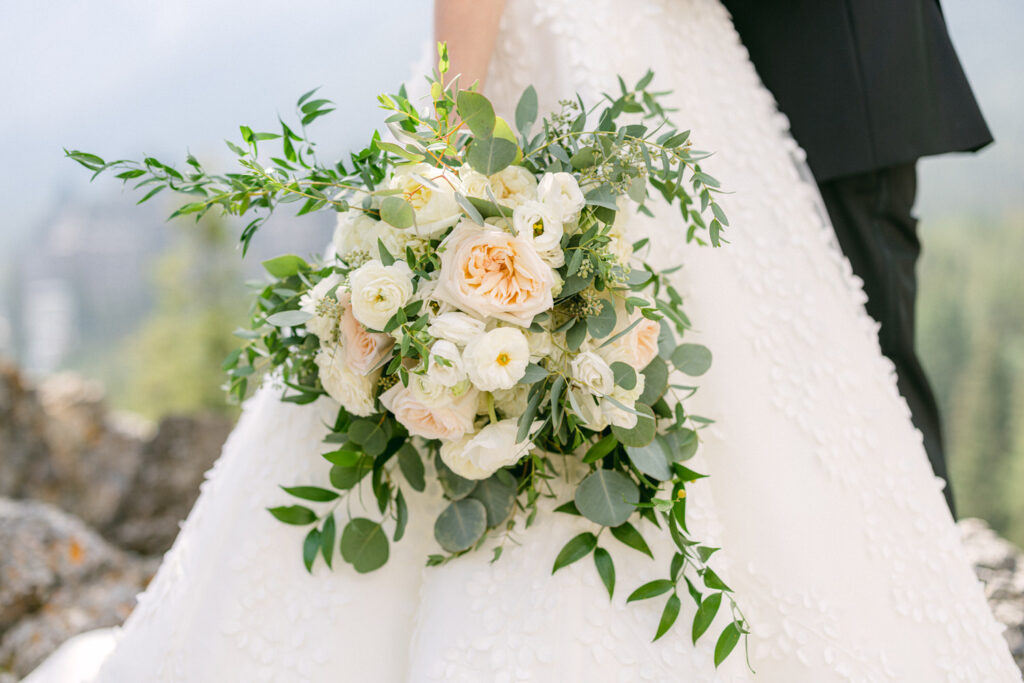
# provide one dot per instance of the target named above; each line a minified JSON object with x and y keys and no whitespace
{"x":477,"y":113}
{"x":455,"y":487}
{"x":651,"y":589}
{"x":668,"y":615}
{"x":624,"y":374}
{"x":627,"y":533}
{"x":369,"y":434}
{"x":461,"y":525}
{"x":576,"y":549}
{"x":575,"y":335}
{"x":285,"y":266}
{"x":705,"y":615}
{"x":605,"y":569}
{"x":642,"y":433}
{"x":313,"y":493}
{"x":411,"y":464}
{"x":526,"y":111}
{"x":489,"y":209}
{"x":534,"y":373}
{"x":490,"y":155}
{"x":600,"y":449}
{"x":310,"y":548}
{"x":650,"y":459}
{"x":712,"y":581}
{"x":364,"y":545}
{"x":343,"y":457}
{"x":498,"y":494}
{"x":602,"y":196}
{"x":692,"y":359}
{"x":397,"y":212}
{"x":401,"y":516}
{"x":655,"y":381}
{"x":327,"y":535}
{"x":726,"y":642}
{"x":293,"y":514}
{"x":568,"y":508}
{"x":385,"y":256}
{"x":344,"y":478}
{"x":471,"y":211}
{"x":602,"y":324}
{"x":607,"y":497}
{"x":288,"y":318}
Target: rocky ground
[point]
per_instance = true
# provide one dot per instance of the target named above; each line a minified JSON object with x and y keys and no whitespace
{"x":89,"y":501}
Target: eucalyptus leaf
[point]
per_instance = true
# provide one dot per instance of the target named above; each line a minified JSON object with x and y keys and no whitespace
{"x":476,"y":112}
{"x":624,"y":375}
{"x":490,"y":155}
{"x":397,"y":212}
{"x":289,"y":318}
{"x":498,"y":494}
{"x":526,"y":111}
{"x":650,"y":459}
{"x":602,"y":324}
{"x":411,"y":464}
{"x":364,"y":545}
{"x":607,"y":497}
{"x":369,"y":433}
{"x":692,"y":359}
{"x":461,"y":525}
{"x":455,"y":487}
{"x":655,"y":381}
{"x":285,"y":266}
{"x":640,"y":434}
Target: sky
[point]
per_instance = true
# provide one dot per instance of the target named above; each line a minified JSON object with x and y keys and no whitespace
{"x":125,"y":78}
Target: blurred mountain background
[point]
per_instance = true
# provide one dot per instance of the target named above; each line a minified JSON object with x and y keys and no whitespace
{"x":92,"y":283}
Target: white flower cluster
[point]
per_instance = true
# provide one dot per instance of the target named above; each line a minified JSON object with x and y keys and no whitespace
{"x":493,"y":281}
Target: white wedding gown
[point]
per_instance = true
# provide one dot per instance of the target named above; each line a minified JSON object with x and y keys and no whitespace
{"x":836,"y":538}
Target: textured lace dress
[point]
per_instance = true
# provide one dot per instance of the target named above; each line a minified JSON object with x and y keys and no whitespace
{"x":836,"y":539}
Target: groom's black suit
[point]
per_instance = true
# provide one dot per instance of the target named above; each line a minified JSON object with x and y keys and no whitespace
{"x":869,"y":87}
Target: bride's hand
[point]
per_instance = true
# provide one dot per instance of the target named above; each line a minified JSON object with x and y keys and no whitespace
{"x":470,"y":27}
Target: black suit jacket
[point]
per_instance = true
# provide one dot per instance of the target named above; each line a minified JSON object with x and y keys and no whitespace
{"x":865,"y":83}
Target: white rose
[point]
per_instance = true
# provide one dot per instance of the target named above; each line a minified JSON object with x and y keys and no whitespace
{"x":481,"y":455}
{"x":512,"y":402}
{"x":627,"y":397}
{"x":395,"y":241}
{"x":494,"y":274}
{"x":513,"y":185}
{"x":620,"y":246}
{"x":591,"y":372}
{"x":562,"y":195}
{"x":446,"y":367}
{"x":429,"y":392}
{"x":449,"y":421}
{"x":353,"y":391}
{"x":378,"y":291}
{"x":455,"y":327}
{"x":533,"y":221}
{"x":355,"y":233}
{"x":497,"y":359}
{"x":474,"y":183}
{"x":323,"y":326}
{"x":542,"y":344}
{"x":431,"y":191}
{"x":588,"y":409}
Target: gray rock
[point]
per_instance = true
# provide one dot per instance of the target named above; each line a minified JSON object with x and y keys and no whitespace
{"x":1000,"y":566}
{"x":60,"y":578}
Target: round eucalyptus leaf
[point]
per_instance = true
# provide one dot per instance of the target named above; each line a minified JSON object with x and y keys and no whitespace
{"x":655,"y":381}
{"x":364,"y":545}
{"x":490,"y":155}
{"x":680,"y":445}
{"x":461,"y":525}
{"x":692,"y":359}
{"x":642,"y":433}
{"x":455,"y":487}
{"x":397,"y":212}
{"x":650,"y":460}
{"x":498,"y":494}
{"x":607,"y":497}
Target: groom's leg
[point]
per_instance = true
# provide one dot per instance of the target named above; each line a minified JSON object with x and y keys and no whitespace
{"x":872,"y":216}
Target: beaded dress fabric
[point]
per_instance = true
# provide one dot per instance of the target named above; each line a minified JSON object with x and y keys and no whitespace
{"x":835,"y":534}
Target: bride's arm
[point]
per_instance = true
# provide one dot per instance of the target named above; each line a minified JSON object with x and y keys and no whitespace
{"x":470,"y":27}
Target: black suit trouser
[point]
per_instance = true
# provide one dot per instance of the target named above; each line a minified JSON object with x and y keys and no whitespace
{"x":873,"y":218}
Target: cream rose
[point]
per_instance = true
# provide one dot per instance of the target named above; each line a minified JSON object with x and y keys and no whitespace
{"x":620,"y":246}
{"x":322,"y":324}
{"x":511,"y":402}
{"x":446,"y":367}
{"x":534,"y":221}
{"x":615,"y":415}
{"x":456,"y":327}
{"x":588,"y":409}
{"x":494,"y":274}
{"x":513,"y":185}
{"x":562,"y":195}
{"x":378,"y":291}
{"x":591,"y":372}
{"x":447,"y":422}
{"x":638,"y":347}
{"x":481,"y":455}
{"x":497,"y":359}
{"x":431,"y":191}
{"x":364,"y":349}
{"x":353,"y":391}
{"x":355,"y":235}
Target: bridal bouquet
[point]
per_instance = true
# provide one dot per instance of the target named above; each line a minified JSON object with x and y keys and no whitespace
{"x":483,"y":319}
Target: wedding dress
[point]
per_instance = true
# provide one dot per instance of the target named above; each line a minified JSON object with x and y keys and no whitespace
{"x":836,"y":538}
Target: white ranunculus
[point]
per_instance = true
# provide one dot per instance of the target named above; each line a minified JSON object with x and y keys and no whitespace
{"x":512,"y":402}
{"x":447,"y":422}
{"x":378,"y":291}
{"x":446,"y":367}
{"x":534,"y":221}
{"x":456,"y":327}
{"x":627,"y":397}
{"x":431,"y":191}
{"x":494,"y":275}
{"x":484,"y":453}
{"x":323,"y":326}
{"x":562,"y":195}
{"x":591,"y":372}
{"x":497,"y":359}
{"x":355,"y":233}
{"x":353,"y":391}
